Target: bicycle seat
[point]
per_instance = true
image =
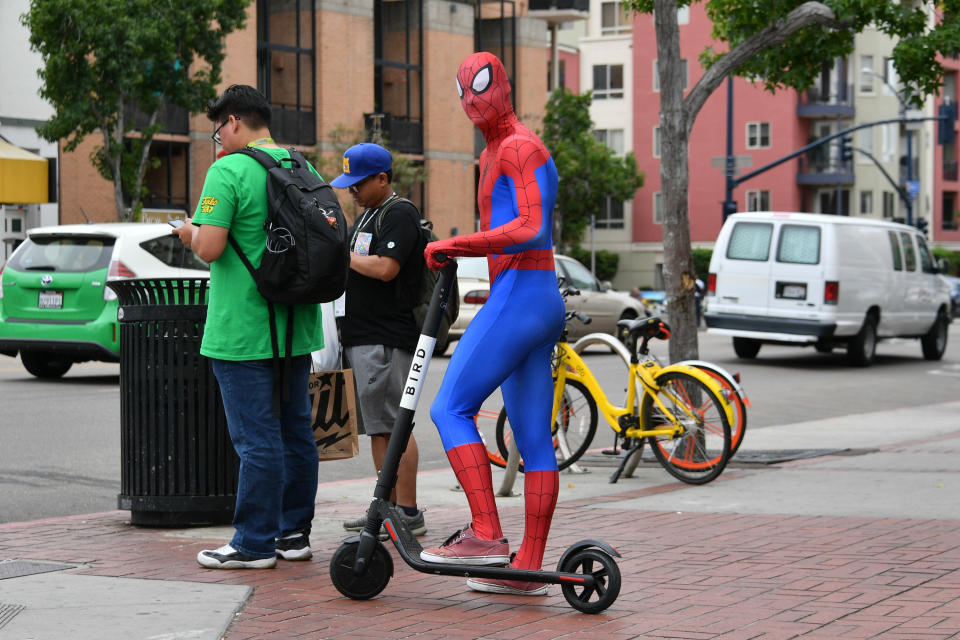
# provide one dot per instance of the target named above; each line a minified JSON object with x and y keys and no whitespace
{"x":645,"y":328}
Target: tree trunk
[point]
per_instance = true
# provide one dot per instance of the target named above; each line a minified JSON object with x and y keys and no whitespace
{"x":674,"y":180}
{"x":677,"y":116}
{"x":144,"y":158}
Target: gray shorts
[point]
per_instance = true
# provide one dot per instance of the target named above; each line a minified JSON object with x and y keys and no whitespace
{"x":379,"y":373}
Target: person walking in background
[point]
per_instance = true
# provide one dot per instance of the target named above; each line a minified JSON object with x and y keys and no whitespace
{"x":378,"y":331}
{"x":278,"y":457}
{"x":509,"y":342}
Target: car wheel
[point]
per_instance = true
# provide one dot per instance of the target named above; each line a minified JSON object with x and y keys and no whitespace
{"x":934,"y":343}
{"x":862,"y":348}
{"x":45,"y":365}
{"x":746,"y":348}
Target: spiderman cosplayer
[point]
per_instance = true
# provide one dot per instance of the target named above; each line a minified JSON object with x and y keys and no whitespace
{"x":509,"y":342}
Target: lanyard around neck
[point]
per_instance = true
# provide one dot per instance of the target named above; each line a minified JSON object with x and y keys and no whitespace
{"x":366,"y":216}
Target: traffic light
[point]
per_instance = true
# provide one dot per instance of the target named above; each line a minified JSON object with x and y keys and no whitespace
{"x":846,"y":151}
{"x":947,"y":114}
{"x":922,"y":225}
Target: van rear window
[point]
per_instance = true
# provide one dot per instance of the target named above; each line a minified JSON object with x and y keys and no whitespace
{"x":799,"y":244}
{"x":750,"y":241}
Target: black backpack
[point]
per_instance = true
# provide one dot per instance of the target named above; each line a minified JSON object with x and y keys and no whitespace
{"x":307,"y":259}
{"x":421,"y":290}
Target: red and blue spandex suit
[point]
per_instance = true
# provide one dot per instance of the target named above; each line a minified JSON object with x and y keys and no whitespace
{"x":509,"y":342}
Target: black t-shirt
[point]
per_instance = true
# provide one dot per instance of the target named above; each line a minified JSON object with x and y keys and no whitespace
{"x":379,"y":312}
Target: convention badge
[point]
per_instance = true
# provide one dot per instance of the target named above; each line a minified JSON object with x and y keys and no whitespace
{"x":362,"y":246}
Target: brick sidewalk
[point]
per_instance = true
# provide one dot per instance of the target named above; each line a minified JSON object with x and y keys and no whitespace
{"x":685,"y":575}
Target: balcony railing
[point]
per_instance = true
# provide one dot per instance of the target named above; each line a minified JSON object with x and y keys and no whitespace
{"x":293,"y":126}
{"x":820,"y":169}
{"x":173,"y":118}
{"x":403,"y":134}
{"x":548,"y":5}
{"x":819,"y":102}
{"x":950,"y":170}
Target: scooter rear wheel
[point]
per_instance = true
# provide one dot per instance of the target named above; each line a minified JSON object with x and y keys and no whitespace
{"x":606,"y":575}
{"x":370,"y":582}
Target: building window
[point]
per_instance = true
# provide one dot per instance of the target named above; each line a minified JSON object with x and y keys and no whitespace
{"x":398,"y":73}
{"x":949,"y":221}
{"x":656,"y":75}
{"x":948,"y":92}
{"x":888,"y":204}
{"x":657,"y":208}
{"x":286,"y":67}
{"x":607,"y":81}
{"x":758,"y":135}
{"x":167,"y":179}
{"x":612,"y":138}
{"x":683,"y":15}
{"x":866,"y":202}
{"x":758,"y":200}
{"x":865,"y":143}
{"x":866,"y":74}
{"x":656,"y":142}
{"x":890,"y":78}
{"x":611,"y":216}
{"x":614,"y":19}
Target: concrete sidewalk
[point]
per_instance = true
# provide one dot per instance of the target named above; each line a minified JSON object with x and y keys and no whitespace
{"x":862,"y":543}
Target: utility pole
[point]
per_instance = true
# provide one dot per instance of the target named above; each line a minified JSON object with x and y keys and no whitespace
{"x":729,"y":204}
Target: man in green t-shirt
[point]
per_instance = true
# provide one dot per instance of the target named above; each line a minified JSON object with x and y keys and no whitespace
{"x":278,"y":457}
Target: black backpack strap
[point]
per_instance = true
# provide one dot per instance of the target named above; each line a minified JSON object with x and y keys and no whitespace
{"x":387,"y":207}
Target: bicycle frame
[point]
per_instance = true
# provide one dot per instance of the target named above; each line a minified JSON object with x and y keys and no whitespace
{"x":571,"y":366}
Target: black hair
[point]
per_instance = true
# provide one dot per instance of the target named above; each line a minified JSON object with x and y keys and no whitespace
{"x":389,"y":173}
{"x":244,"y":102}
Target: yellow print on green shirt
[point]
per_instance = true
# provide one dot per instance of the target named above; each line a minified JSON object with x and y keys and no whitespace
{"x":207,"y":204}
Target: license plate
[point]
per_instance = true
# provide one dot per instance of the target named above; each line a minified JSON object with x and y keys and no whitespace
{"x":794,"y":291}
{"x":50,"y":300}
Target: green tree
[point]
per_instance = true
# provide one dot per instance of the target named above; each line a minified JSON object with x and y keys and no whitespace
{"x":588,"y":170}
{"x":406,"y":174}
{"x":607,"y":261}
{"x":103,"y":59}
{"x":781,"y":43}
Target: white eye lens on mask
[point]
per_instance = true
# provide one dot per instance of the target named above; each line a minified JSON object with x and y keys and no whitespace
{"x":481,"y":81}
{"x":459,"y":88}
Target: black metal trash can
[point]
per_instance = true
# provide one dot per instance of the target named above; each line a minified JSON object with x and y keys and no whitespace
{"x":178,"y":465}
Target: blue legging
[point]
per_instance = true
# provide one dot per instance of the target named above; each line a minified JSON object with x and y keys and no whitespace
{"x":508,"y":345}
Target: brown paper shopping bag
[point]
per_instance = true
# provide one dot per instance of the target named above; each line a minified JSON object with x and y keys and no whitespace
{"x":334,"y":414}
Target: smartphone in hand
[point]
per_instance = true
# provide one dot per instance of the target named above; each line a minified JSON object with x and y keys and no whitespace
{"x":176,"y":223}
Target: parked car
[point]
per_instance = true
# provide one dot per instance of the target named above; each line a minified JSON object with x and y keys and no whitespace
{"x":825,"y":281}
{"x":604,"y":306}
{"x":55,"y":307}
{"x":954,"y":283}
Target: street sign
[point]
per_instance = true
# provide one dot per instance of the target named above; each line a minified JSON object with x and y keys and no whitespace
{"x":913,"y":188}
{"x":740,"y":162}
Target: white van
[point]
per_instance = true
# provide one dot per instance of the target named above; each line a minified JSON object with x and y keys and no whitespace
{"x":824,"y":280}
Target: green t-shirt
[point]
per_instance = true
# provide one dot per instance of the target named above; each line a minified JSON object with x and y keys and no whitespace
{"x":238,"y":321}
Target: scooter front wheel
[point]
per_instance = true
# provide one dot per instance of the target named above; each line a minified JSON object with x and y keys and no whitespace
{"x":370,"y":582}
{"x":606,"y":575}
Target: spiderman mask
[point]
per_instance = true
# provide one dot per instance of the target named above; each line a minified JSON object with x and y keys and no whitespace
{"x":484,"y":90}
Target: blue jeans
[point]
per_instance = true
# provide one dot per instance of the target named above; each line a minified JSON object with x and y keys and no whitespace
{"x":278,"y":457}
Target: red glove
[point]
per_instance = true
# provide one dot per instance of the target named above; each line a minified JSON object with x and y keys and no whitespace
{"x":445,"y":247}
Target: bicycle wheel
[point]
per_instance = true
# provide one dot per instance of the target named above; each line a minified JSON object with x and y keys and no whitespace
{"x":575,"y":423}
{"x":700,"y":453}
{"x":735,"y":400}
{"x":487,"y":423}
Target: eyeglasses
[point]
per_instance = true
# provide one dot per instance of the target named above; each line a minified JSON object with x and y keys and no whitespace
{"x":355,"y":188}
{"x":216,"y":132}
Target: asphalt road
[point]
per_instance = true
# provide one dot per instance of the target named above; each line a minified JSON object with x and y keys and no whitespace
{"x":60,"y":440}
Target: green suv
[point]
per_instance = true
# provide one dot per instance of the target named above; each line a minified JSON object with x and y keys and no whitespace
{"x":55,"y":307}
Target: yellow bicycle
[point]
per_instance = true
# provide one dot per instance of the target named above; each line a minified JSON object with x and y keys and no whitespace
{"x":680,"y":410}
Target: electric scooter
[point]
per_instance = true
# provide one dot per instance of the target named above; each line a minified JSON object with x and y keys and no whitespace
{"x":361,"y":567}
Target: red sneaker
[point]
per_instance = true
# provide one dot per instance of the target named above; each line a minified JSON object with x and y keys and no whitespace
{"x":464,"y":547}
{"x":511,"y":587}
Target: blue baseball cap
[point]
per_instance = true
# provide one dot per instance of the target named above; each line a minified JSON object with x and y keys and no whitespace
{"x":360,"y":161}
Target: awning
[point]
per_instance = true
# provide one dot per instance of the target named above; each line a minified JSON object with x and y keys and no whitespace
{"x":23,"y":175}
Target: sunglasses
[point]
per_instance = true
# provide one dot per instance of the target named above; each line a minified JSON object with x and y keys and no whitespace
{"x":355,"y":188}
{"x":216,"y":132}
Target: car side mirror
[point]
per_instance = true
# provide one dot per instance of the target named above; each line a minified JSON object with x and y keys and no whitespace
{"x":606,"y":285}
{"x":942,"y":265}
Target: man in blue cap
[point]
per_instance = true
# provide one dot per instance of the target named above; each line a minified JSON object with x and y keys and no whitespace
{"x":378,"y":331}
